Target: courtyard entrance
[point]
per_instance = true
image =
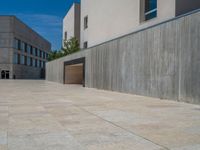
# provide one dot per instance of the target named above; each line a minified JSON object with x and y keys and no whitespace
{"x":5,"y":74}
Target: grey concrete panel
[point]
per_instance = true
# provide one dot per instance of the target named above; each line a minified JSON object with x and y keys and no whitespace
{"x":162,"y":61}
{"x":11,"y":28}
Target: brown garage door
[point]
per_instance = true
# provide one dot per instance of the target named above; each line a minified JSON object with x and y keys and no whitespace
{"x":74,"y":71}
{"x":74,"y":74}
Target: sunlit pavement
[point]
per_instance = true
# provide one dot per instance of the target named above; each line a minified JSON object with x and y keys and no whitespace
{"x":41,"y":115}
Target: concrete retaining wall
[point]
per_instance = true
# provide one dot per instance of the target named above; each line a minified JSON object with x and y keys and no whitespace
{"x":162,"y":61}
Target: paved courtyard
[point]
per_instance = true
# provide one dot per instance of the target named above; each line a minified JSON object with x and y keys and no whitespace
{"x":41,"y":115}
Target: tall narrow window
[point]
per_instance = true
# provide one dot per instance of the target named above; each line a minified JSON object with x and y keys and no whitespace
{"x":28,"y":49}
{"x":31,"y":61}
{"x":25,"y":60}
{"x":19,"y":59}
{"x":22,"y":62}
{"x":22,"y":46}
{"x":36,"y":52}
{"x":17,"y":44}
{"x":28,"y":61}
{"x":86,"y":22}
{"x":150,"y":9}
{"x":65,"y":35}
{"x":25,"y":47}
{"x":31,"y":50}
{"x":85,"y":45}
{"x":15,"y":58}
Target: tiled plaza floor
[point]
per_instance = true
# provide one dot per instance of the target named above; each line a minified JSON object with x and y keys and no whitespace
{"x":41,"y":115}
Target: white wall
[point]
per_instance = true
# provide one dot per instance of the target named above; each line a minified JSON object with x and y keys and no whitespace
{"x":109,"y":19}
{"x":68,"y":23}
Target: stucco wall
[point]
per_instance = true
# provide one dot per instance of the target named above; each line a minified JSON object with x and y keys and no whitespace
{"x":114,"y":18}
{"x":162,"y":61}
{"x":68,"y":23}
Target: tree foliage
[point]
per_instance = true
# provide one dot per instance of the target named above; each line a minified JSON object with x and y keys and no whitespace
{"x":70,"y":46}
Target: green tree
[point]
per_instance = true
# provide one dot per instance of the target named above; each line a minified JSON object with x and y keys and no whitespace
{"x":70,"y":46}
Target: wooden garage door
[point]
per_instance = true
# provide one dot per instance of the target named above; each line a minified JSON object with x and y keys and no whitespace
{"x":74,"y":74}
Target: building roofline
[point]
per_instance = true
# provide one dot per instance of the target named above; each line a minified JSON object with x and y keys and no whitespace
{"x":15,"y":17}
{"x":71,"y":7}
{"x":32,"y":30}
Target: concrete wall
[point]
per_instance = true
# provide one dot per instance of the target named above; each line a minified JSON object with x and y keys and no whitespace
{"x":162,"y":61}
{"x":6,"y":36}
{"x":110,"y":19}
{"x":11,"y":28}
{"x":26,"y":72}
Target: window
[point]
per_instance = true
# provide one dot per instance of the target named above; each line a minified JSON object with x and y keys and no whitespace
{"x":17,"y":44}
{"x":150,"y":9}
{"x":43,"y":64}
{"x":15,"y":58}
{"x":40,"y":65}
{"x":36,"y":62}
{"x":25,"y":60}
{"x":22,"y":62}
{"x":18,"y":60}
{"x":86,"y":22}
{"x":36,"y":52}
{"x":25,"y":47}
{"x":31,"y":50}
{"x":33,"y":63}
{"x":28,"y":49}
{"x":22,"y":46}
{"x":85,"y":45}
{"x":40,"y":54}
{"x":28,"y":61}
{"x":47,"y":55}
{"x":65,"y":36}
{"x":43,"y":55}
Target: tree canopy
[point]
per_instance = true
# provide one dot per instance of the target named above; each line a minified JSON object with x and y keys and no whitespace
{"x":69,"y":47}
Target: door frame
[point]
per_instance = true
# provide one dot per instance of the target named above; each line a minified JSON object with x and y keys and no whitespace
{"x":74,"y":62}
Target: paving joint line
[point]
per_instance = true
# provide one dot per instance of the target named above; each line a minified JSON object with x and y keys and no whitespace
{"x":165,"y":148}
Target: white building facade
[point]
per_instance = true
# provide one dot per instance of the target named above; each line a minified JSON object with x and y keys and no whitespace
{"x":104,"y":20}
{"x":71,"y":23}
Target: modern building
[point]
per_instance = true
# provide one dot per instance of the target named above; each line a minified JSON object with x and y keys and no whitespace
{"x":104,"y":20}
{"x":23,"y":52}
{"x":160,"y":61}
{"x":71,"y":23}
{"x":142,"y":47}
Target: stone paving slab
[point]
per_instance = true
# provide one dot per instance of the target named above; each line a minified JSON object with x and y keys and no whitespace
{"x":41,"y":115}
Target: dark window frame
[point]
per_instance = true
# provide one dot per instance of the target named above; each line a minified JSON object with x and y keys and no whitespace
{"x":85,"y":22}
{"x":150,"y":9}
{"x":85,"y":45}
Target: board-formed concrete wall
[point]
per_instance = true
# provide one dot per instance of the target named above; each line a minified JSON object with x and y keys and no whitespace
{"x":162,"y":61}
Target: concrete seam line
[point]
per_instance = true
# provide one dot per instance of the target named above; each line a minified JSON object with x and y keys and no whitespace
{"x":165,"y":148}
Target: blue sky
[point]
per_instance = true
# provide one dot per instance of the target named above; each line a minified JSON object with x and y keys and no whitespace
{"x":43,"y":16}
